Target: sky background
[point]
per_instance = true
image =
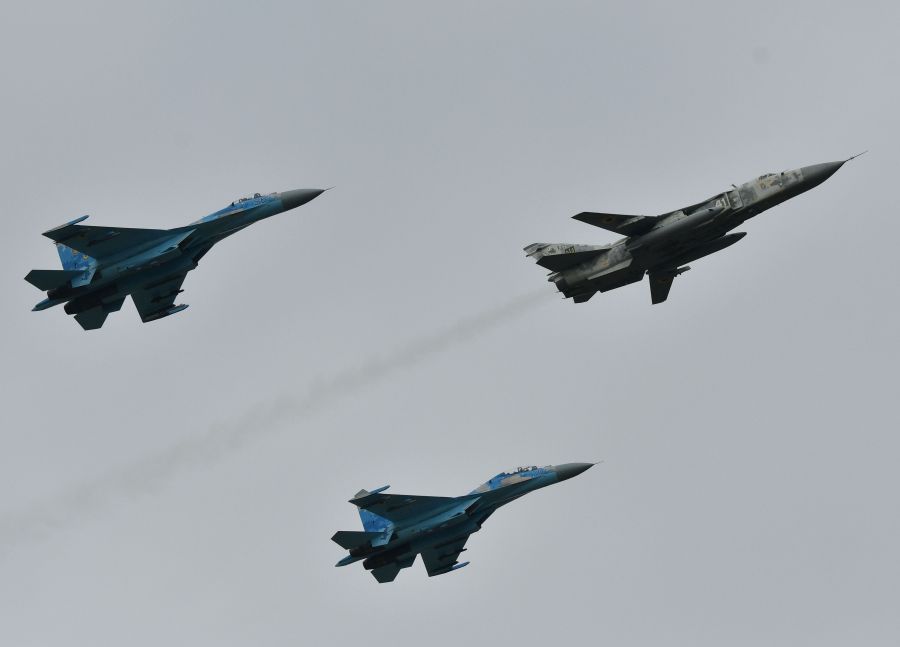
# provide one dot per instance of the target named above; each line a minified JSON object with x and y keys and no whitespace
{"x":178,"y":482}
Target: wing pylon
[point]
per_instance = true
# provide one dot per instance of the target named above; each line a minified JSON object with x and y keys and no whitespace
{"x":661,"y":283}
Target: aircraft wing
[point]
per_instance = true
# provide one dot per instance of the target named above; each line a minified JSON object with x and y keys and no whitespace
{"x":401,"y":507}
{"x":156,"y":300}
{"x":102,"y":242}
{"x":442,"y":558}
{"x":618,"y":223}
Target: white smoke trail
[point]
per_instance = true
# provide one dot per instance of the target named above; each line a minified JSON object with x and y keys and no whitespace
{"x":222,"y":438}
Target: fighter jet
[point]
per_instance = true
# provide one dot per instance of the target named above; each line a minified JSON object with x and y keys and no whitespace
{"x":399,"y":526}
{"x":103,"y":265}
{"x":659,"y":246}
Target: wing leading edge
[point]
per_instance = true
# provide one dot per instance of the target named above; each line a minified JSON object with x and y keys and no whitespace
{"x":399,"y":508}
{"x":103,"y":242}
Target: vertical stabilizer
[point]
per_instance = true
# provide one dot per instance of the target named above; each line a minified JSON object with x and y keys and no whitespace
{"x":72,"y":259}
{"x":373,"y":523}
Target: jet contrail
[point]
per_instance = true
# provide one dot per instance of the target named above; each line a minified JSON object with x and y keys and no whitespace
{"x":223,"y":438}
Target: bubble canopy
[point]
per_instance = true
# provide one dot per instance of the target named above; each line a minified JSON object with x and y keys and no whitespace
{"x":514,"y":476}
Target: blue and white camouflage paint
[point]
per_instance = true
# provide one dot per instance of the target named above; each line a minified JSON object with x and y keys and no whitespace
{"x":103,"y":265}
{"x":398,"y":527}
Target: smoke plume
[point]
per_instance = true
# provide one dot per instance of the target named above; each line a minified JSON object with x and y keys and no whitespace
{"x":222,"y":438}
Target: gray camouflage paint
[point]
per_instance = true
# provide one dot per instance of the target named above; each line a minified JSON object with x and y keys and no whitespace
{"x":668,"y":241}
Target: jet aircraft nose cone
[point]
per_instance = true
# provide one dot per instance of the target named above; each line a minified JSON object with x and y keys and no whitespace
{"x":817,"y":173}
{"x":568,"y":470}
{"x":297,"y":197}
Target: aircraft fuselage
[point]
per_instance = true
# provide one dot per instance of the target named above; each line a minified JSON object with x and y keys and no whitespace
{"x":664,"y":243}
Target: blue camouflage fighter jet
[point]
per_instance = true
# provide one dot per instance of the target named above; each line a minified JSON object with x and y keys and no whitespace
{"x":399,"y":526}
{"x":103,"y":265}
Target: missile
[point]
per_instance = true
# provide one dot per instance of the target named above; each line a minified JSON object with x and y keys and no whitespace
{"x":349,"y":559}
{"x":47,"y":303}
{"x":165,"y":313}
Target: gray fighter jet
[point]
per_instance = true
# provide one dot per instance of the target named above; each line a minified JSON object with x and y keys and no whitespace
{"x":400,"y":526}
{"x":659,"y":246}
{"x":103,"y":265}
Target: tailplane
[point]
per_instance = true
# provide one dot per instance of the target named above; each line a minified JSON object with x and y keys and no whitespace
{"x":557,"y":257}
{"x":350,"y":539}
{"x":51,"y":279}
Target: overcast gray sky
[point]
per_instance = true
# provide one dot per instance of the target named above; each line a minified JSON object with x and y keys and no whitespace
{"x":178,"y":482}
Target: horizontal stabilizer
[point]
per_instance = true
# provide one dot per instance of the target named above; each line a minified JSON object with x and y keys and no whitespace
{"x":561,"y":256}
{"x":618,"y":223}
{"x":351,"y":539}
{"x":618,"y":267}
{"x":559,"y":262}
{"x":51,"y":279}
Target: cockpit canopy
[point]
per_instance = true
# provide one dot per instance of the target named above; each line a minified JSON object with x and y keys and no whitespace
{"x":518,"y":470}
{"x":507,"y":478}
{"x":774,"y":180}
{"x":523,"y":469}
{"x":247,"y":198}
